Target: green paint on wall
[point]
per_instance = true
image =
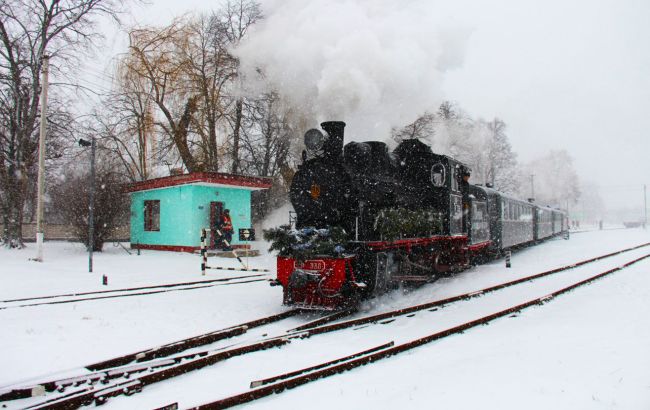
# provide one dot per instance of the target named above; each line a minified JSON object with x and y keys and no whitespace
{"x":184,"y":210}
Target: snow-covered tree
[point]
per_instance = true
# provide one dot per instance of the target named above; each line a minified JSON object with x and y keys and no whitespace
{"x":501,"y":163}
{"x":555,"y":179}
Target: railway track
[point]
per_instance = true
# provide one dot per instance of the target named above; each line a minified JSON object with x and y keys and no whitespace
{"x":157,"y":358}
{"x":286,"y":381}
{"x":127,"y":292}
{"x":130,"y":373}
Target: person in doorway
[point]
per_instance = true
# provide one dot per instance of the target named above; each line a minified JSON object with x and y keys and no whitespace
{"x":226,"y":230}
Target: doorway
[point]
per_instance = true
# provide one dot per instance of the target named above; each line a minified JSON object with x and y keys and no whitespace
{"x":216,"y":210}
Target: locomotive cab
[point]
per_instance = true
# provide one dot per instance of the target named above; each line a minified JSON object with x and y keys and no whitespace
{"x":437,"y":182}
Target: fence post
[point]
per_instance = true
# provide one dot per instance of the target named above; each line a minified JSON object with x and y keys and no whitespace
{"x":508,"y":255}
{"x":204,"y":253}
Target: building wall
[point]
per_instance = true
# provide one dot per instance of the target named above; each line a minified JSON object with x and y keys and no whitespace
{"x":184,"y":210}
{"x":174,"y":214}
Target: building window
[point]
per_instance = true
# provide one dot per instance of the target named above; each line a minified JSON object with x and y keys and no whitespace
{"x":152,"y":215}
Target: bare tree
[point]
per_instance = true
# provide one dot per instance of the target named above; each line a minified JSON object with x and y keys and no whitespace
{"x":211,"y":69}
{"x":193,"y":81}
{"x":422,"y":127}
{"x":156,"y":59}
{"x":30,"y":29}
{"x":236,"y":18}
{"x":448,"y":111}
{"x":125,"y":124}
{"x":454,"y":132}
{"x":71,"y":198}
{"x":267,"y":137}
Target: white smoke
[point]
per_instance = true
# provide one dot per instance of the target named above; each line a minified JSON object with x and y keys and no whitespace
{"x":372,"y":63}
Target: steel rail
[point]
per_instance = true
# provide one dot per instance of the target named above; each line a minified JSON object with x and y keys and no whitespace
{"x":321,"y":321}
{"x":310,"y":376}
{"x":258,"y":383}
{"x":101,"y":369}
{"x":169,"y":285}
{"x":91,"y":394}
{"x":152,"y":292}
{"x":192,"y":342}
{"x":464,"y":296}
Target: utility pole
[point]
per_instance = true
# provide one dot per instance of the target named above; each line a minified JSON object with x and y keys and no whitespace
{"x":41,"y":163}
{"x":91,"y":205}
{"x":532,"y":186}
{"x":91,"y":216}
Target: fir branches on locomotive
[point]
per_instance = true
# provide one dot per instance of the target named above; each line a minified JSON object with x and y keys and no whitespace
{"x":306,"y":243}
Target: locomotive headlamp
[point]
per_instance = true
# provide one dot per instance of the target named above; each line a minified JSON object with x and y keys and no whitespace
{"x":314,"y":191}
{"x":314,"y":140}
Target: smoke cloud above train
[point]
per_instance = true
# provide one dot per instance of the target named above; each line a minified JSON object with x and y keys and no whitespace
{"x":374,"y":64}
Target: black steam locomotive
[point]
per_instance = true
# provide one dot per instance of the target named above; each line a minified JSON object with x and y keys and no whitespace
{"x":406,"y":215}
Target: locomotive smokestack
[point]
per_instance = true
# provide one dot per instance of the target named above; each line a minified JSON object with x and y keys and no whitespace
{"x":334,"y":146}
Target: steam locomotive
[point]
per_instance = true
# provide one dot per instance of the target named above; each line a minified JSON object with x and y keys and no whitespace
{"x":409,"y":215}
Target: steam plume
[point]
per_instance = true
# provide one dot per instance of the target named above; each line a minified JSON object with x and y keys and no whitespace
{"x":372,"y":63}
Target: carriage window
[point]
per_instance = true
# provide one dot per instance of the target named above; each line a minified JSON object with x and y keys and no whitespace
{"x":438,"y":175}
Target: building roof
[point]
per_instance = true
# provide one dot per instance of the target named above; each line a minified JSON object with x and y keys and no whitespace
{"x":217,"y":179}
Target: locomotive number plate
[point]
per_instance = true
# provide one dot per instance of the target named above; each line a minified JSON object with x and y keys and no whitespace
{"x":317,"y":265}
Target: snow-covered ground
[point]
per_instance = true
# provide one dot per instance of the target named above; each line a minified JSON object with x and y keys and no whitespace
{"x":584,"y":350}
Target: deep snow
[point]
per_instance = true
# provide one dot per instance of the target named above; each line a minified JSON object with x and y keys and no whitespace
{"x":586,"y":349}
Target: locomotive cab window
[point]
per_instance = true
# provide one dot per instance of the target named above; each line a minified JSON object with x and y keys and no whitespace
{"x":438,"y":175}
{"x":152,"y":215}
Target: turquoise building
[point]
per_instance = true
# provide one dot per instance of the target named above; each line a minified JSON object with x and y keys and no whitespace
{"x":168,"y":213}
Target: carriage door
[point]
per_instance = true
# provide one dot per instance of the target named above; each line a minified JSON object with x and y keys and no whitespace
{"x":216,"y":208}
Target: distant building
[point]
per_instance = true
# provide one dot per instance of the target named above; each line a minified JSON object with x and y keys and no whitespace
{"x":168,"y":213}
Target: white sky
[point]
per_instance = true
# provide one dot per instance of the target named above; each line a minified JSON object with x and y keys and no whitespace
{"x":571,"y":75}
{"x":566,"y":74}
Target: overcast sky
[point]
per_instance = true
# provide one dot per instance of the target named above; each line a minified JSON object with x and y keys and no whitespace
{"x":566,"y":74}
{"x":571,"y":75}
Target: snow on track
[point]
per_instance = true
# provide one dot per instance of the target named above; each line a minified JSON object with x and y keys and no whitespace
{"x":542,"y":359}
